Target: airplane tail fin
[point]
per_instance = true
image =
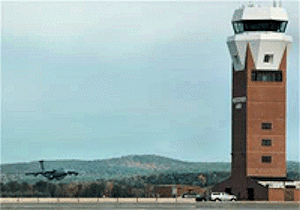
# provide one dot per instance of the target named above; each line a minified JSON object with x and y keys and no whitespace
{"x":42,"y":165}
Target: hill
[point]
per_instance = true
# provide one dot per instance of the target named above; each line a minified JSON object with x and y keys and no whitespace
{"x":118,"y":168}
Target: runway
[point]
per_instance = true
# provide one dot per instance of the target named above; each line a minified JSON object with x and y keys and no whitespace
{"x":156,"y":206}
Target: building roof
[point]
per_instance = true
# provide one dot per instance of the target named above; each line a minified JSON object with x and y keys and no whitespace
{"x":272,"y":179}
{"x":260,"y":13}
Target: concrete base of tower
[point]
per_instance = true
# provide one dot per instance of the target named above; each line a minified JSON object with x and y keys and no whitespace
{"x":244,"y":189}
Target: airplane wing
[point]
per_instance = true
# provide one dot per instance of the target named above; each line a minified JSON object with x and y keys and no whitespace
{"x":50,"y":172}
{"x":41,"y":172}
{"x":73,"y":172}
{"x":33,"y":173}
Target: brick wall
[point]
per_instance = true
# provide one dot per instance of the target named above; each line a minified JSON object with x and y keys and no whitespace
{"x":276,"y":194}
{"x":297,"y":194}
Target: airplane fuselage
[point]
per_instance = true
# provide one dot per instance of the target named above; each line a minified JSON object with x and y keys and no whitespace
{"x":57,"y":174}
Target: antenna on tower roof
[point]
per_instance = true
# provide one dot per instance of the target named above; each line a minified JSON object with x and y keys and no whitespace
{"x":250,"y":4}
{"x":280,"y":3}
{"x":274,"y":3}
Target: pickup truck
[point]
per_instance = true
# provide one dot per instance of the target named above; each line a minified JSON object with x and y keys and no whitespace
{"x":222,"y":196}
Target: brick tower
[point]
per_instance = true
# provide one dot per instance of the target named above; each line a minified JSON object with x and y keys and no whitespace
{"x":258,"y":50}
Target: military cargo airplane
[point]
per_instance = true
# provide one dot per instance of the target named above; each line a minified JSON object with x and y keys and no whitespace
{"x":57,"y":174}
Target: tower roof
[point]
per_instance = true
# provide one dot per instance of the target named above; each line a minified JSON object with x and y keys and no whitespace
{"x":260,"y":13}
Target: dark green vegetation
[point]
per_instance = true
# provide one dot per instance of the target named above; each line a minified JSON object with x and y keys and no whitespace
{"x":136,"y":186}
{"x":48,"y":189}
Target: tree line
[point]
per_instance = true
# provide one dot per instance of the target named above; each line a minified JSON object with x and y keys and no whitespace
{"x":137,"y":186}
{"x":46,"y":189}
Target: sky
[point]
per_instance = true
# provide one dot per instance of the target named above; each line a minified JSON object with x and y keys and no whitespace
{"x":96,"y":80}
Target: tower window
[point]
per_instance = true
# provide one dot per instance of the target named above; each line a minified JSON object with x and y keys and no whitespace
{"x":236,"y":59}
{"x":266,"y":76}
{"x":283,"y":26}
{"x":259,"y":25}
{"x":238,"y":106}
{"x":266,"y":126}
{"x":266,"y":142}
{"x":268,"y":58}
{"x":266,"y":159}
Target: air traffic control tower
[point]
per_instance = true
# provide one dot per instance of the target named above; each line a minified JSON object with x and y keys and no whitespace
{"x":259,"y":50}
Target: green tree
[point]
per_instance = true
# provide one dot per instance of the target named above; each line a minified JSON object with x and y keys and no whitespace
{"x":13,"y":186}
{"x":119,"y":191}
{"x":61,"y":190}
{"x":93,"y":190}
{"x":52,"y":189}
{"x":24,"y":187}
{"x":41,"y":186}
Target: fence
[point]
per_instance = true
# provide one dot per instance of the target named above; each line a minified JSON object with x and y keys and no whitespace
{"x":116,"y":200}
{"x":97,"y":200}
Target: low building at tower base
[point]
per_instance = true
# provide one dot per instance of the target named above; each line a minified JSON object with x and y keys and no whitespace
{"x":261,"y":189}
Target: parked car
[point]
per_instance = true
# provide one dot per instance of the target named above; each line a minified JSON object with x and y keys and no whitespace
{"x":222,"y":196}
{"x":201,"y":198}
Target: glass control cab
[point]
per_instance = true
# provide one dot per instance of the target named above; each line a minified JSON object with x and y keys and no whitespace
{"x":259,"y":25}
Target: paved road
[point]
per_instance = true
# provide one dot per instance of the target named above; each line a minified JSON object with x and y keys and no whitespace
{"x":141,"y":206}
